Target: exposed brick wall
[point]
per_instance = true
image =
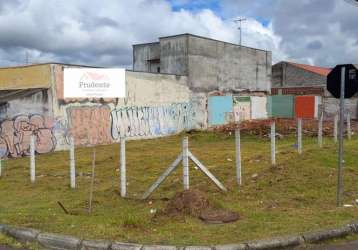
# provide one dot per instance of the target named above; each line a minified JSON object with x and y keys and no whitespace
{"x":298,"y":91}
{"x":287,"y":75}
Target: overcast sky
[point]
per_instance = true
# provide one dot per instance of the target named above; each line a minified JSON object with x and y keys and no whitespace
{"x":101,"y":32}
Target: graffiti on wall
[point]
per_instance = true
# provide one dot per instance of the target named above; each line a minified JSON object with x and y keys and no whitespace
{"x":241,"y":108}
{"x":151,"y":121}
{"x":90,"y":125}
{"x":16,"y":133}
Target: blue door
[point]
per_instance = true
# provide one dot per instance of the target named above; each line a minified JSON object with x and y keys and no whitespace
{"x":218,"y":106}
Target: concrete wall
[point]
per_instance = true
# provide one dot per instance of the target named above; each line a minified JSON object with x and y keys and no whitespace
{"x":28,"y":102}
{"x":259,"y":107}
{"x":22,"y":114}
{"x":287,"y":75}
{"x":331,"y":107}
{"x":218,"y":109}
{"x":281,"y":106}
{"x":210,"y":64}
{"x":25,"y":110}
{"x":26,"y":77}
{"x":215,"y":65}
{"x":155,"y":105}
{"x":145,"y":57}
{"x":173,"y":55}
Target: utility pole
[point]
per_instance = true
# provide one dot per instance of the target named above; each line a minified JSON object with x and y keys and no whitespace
{"x":240,"y":20}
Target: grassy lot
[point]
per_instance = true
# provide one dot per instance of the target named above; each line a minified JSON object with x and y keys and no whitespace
{"x":296,"y":196}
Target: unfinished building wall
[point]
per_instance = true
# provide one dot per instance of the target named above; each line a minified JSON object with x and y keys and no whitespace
{"x":146,"y":57}
{"x":215,"y":65}
{"x":288,"y":75}
{"x":174,"y":55}
{"x":209,"y":64}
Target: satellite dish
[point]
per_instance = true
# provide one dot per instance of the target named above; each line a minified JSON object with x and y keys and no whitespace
{"x":353,"y":2}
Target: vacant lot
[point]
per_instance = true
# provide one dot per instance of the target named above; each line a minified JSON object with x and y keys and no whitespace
{"x":297,"y":195}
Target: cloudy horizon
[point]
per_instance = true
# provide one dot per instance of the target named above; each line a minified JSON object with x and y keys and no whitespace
{"x":316,"y":32}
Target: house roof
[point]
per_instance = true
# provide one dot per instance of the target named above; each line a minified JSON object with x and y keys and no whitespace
{"x":318,"y":70}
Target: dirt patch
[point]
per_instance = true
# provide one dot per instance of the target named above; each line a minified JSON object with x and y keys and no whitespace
{"x":219,"y":216}
{"x":196,"y":204}
{"x":188,"y":202}
{"x":283,"y":126}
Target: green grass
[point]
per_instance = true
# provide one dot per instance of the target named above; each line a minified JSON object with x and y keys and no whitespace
{"x":296,"y":196}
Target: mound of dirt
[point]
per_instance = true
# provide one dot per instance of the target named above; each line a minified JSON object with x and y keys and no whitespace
{"x":188,"y":202}
{"x":195,"y":203}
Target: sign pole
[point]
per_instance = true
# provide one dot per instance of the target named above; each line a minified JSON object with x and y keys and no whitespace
{"x":341,"y":130}
{"x":349,"y":129}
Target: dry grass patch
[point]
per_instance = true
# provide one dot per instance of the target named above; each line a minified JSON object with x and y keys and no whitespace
{"x":296,"y":196}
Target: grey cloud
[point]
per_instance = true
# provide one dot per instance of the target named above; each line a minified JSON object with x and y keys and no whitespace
{"x":81,"y":33}
{"x":314,"y":45}
{"x":311,"y":31}
{"x":6,"y":5}
{"x":78,"y":31}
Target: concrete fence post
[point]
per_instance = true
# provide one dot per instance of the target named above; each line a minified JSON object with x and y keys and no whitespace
{"x":349,"y":130}
{"x":299,"y":135}
{"x":335,"y":129}
{"x":185,"y":163}
{"x":320,"y":130}
{"x":273,"y":143}
{"x":92,"y":181}
{"x":238,"y":156}
{"x":72,"y":163}
{"x":32,"y":159}
{"x":123,"y":167}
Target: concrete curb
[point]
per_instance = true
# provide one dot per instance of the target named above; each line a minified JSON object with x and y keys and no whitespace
{"x":125,"y":246}
{"x":57,"y":241}
{"x":315,"y":237}
{"x":2,"y":227}
{"x":64,"y":242}
{"x":22,"y":234}
{"x":276,"y":243}
{"x":95,"y":245}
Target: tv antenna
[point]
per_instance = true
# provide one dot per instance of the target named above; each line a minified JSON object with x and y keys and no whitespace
{"x":240,"y":20}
